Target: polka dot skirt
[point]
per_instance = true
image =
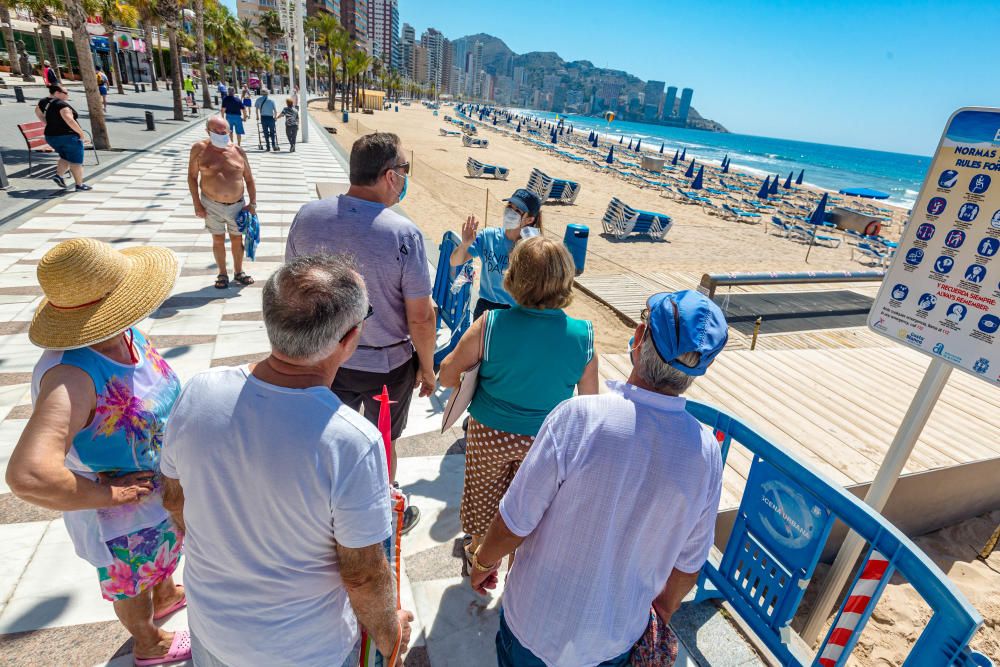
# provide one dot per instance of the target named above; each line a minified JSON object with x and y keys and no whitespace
{"x":491,"y":460}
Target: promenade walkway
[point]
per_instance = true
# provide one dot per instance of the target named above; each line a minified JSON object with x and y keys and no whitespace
{"x":51,"y":611}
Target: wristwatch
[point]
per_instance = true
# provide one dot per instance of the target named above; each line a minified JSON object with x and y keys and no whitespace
{"x":479,"y":567}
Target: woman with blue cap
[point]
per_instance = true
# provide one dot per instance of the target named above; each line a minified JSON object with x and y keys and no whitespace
{"x":522,"y":218}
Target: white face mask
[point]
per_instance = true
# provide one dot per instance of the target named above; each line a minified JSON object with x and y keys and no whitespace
{"x":219,"y":140}
{"x":511,"y":219}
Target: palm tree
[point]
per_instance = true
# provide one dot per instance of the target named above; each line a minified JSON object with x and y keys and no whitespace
{"x":8,"y":36}
{"x":270,"y":30}
{"x":44,"y":13}
{"x":77,"y":15}
{"x":199,"y":23}
{"x":147,"y":16}
{"x":328,"y":32}
{"x":169,"y":12}
{"x":112,"y":13}
{"x":358,"y":63}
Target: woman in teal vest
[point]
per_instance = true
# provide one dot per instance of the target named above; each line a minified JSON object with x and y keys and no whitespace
{"x":532,"y":358}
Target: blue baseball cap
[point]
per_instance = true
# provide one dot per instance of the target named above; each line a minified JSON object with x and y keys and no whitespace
{"x":525,"y":201}
{"x":687,"y":321}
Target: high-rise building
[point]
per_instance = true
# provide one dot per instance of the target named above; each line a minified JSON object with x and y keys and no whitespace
{"x":420,"y":64}
{"x":652,"y":100}
{"x":549,"y":83}
{"x":669,"y":102}
{"x":608,"y":92}
{"x":685,"y":108}
{"x":354,"y":18}
{"x":476,"y":69}
{"x":314,"y":7}
{"x":383,"y":21}
{"x":434,"y":42}
{"x":519,"y":76}
{"x":252,"y":9}
{"x":406,"y":43}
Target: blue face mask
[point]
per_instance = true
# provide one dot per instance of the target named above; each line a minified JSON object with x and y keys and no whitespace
{"x":406,"y":183}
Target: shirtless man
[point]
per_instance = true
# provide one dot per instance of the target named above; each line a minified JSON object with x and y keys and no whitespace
{"x":223,"y":168}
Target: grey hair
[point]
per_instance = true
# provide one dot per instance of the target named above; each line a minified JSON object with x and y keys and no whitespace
{"x":311,"y":303}
{"x":660,"y":375}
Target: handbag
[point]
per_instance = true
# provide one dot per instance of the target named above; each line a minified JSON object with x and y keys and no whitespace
{"x":657,"y":647}
{"x":460,"y":399}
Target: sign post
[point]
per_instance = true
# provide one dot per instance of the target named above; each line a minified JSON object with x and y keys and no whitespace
{"x":939,"y":296}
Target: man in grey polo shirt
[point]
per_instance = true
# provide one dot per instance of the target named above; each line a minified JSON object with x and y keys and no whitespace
{"x":267,"y":112}
{"x":397,"y":343}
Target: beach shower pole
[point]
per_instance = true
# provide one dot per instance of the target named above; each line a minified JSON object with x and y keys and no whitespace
{"x":924,"y":400}
{"x":486,"y":210}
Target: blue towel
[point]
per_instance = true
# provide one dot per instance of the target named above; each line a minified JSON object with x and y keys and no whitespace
{"x":249,"y":226}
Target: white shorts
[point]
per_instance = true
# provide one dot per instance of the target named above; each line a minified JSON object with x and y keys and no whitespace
{"x":221,"y":218}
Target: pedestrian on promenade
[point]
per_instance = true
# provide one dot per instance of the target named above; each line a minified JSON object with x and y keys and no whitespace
{"x":64,"y":134}
{"x":613,"y":510}
{"x":49,"y":75}
{"x":189,"y":90}
{"x":247,"y":103}
{"x":267,"y":112}
{"x":522,"y":218}
{"x":533,"y":344}
{"x":397,"y":345}
{"x":291,"y":116}
{"x":102,"y":86}
{"x":222,"y":88}
{"x":232,"y":111}
{"x":217,"y":173}
{"x":286,"y":512}
{"x":101,"y":397}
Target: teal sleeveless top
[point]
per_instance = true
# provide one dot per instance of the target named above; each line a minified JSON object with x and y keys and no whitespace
{"x":532,"y":362}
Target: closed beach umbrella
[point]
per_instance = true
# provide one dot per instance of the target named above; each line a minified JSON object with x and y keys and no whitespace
{"x":518,"y":127}
{"x":611,"y":156}
{"x":630,"y":143}
{"x":677,"y":154}
{"x":554,"y":137}
{"x":762,"y":193}
{"x":773,"y":190}
{"x":697,"y":183}
{"x":798,"y":181}
{"x":638,"y":145}
{"x":725,"y":167}
{"x":819,"y":215}
{"x":661,"y":149}
{"x":684,"y":154}
{"x":690,"y":170}
{"x":788,"y":181}
{"x":621,"y":139}
{"x":590,"y":137}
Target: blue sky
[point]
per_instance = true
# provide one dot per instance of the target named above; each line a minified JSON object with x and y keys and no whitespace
{"x":873,"y":74}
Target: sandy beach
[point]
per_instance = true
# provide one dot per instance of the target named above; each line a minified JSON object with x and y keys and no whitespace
{"x":441,"y":195}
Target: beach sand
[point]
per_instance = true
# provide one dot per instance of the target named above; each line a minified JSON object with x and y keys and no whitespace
{"x":441,"y":195}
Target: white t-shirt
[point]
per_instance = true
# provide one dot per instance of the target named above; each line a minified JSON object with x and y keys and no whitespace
{"x":617,"y":491}
{"x":272,"y":478}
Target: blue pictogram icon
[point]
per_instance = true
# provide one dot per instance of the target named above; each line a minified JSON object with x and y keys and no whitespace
{"x":957,"y":312}
{"x":925,"y":232}
{"x":944,"y":264}
{"x":948,"y":178}
{"x":914,"y":256}
{"x":968,"y":212}
{"x":982,"y":365}
{"x":927,"y":301}
{"x":936,"y":205}
{"x":975,"y":273}
{"x":988,"y":247}
{"x":955,"y":238}
{"x":989,"y":324}
{"x":900,"y":291}
{"x":979,"y":184}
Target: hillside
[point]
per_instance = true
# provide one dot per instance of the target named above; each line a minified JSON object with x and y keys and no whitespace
{"x":580,"y":76}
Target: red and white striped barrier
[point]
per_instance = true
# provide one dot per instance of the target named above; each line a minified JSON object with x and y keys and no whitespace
{"x":858,"y":605}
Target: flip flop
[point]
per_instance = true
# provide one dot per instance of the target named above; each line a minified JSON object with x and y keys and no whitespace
{"x":180,"y":649}
{"x":180,"y":604}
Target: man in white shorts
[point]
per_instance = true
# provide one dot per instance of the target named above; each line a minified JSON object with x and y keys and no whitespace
{"x":224,"y":173}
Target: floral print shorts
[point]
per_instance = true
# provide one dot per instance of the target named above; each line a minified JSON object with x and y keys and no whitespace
{"x":141,"y":560}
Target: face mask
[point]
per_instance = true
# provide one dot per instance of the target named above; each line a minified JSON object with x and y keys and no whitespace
{"x":406,"y":183}
{"x":529,"y":232}
{"x":219,"y":140}
{"x":511,"y":219}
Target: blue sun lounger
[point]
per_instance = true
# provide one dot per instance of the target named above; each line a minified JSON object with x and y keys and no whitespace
{"x":621,"y":220}
{"x":751,"y":217}
{"x":479,"y":169}
{"x":546,"y":187}
{"x":453,"y":306}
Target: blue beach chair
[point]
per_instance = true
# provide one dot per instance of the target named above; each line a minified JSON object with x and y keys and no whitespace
{"x":479,"y":169}
{"x":453,"y":310}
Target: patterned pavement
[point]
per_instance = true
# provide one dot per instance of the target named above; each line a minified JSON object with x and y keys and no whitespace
{"x":51,"y":611}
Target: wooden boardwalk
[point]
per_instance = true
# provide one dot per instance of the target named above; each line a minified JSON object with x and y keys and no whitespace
{"x":838,"y":409}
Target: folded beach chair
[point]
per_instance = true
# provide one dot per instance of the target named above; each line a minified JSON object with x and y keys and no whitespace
{"x":621,"y":220}
{"x":449,"y":133}
{"x":478,"y":169}
{"x":547,"y":187}
{"x":472,"y":142}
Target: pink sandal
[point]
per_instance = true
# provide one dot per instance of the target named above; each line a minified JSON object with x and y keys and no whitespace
{"x":180,"y":604}
{"x":180,"y":649}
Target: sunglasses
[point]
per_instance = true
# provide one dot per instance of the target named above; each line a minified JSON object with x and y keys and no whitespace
{"x":404,"y":166}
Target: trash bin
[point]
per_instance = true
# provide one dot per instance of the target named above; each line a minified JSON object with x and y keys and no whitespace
{"x":575,"y":241}
{"x":344,"y":117}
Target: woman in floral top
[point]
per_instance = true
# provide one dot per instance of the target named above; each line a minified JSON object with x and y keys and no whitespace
{"x":102,"y":395}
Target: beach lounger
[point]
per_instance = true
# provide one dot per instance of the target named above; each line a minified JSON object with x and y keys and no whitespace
{"x":871,"y":253}
{"x":472,"y":142}
{"x":547,"y":187}
{"x":479,"y":169}
{"x":750,"y":217}
{"x":621,"y":220}
{"x":453,"y":312}
{"x":449,"y":133}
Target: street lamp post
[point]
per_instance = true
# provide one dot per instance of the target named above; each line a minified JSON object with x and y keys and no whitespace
{"x":300,"y":46}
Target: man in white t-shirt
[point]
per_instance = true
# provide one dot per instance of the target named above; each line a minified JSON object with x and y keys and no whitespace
{"x":283,"y":491}
{"x":613,"y":510}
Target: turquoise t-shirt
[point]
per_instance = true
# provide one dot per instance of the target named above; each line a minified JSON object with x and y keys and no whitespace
{"x":532,"y":362}
{"x":493,"y":247}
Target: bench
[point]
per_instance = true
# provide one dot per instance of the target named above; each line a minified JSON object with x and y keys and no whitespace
{"x":34,"y":137}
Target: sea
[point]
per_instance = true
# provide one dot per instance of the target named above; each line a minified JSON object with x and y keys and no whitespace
{"x":826,"y":166}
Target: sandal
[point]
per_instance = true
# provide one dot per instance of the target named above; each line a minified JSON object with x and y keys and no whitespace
{"x":177,"y":606}
{"x":467,"y":560}
{"x":222,"y":281}
{"x":243,"y":279}
{"x":180,"y":649}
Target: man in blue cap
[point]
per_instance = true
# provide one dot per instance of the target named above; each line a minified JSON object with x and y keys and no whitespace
{"x":613,"y":510}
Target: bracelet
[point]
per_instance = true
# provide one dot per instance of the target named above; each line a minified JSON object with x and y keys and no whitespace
{"x":479,"y":567}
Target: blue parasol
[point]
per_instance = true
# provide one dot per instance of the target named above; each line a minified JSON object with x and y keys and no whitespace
{"x":684,"y":154}
{"x":819,"y":215}
{"x":762,"y":193}
{"x":773,"y":190}
{"x":630,"y":143}
{"x":690,"y":170}
{"x":697,"y":183}
{"x":611,"y":156}
{"x":788,"y":181}
{"x":621,"y":139}
{"x":661,"y":149}
{"x":677,"y":153}
{"x":798,"y":181}
{"x":638,"y":145}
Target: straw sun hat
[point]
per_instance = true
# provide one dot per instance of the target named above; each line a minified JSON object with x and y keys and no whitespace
{"x":94,"y":292}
